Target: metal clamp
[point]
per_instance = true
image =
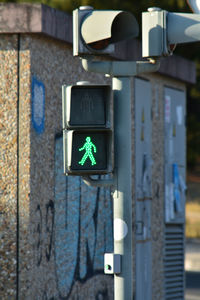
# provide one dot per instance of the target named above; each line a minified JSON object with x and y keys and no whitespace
{"x":112,"y":263}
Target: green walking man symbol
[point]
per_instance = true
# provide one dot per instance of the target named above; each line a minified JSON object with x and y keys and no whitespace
{"x":89,"y":147}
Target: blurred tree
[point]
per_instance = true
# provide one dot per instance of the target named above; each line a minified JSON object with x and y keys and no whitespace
{"x":133,"y":6}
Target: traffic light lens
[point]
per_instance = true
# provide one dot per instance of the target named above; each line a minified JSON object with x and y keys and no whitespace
{"x":89,"y":150}
{"x":88,"y":105}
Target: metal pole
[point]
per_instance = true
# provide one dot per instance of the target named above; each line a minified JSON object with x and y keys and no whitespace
{"x":122,"y":197}
{"x":122,"y":206}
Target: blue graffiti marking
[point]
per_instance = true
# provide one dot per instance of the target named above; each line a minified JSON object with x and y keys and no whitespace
{"x":87,"y":228}
{"x":83,"y":227}
{"x":177,"y":194}
{"x":67,"y":195}
{"x":38,"y":105}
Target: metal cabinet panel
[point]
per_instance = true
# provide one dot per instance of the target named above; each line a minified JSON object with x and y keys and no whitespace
{"x":175,"y":155}
{"x":143,"y":135}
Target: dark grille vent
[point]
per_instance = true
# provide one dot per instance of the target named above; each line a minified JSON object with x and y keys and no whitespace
{"x":174,"y":262}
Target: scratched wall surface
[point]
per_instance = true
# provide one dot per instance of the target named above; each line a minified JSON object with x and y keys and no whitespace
{"x":8,"y":164}
{"x":66,"y":226}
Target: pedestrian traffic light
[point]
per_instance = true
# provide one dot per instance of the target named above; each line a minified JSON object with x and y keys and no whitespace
{"x":87,"y":129}
{"x":163,"y":30}
{"x":86,"y":106}
{"x":95,"y":31}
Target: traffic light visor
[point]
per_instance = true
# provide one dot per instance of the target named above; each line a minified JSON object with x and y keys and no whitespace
{"x":101,"y":28}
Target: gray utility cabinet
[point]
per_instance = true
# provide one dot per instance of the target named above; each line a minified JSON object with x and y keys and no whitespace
{"x":174,"y":190}
{"x":143,"y":184}
{"x":175,"y":169}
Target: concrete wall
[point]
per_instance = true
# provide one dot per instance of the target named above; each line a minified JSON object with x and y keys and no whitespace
{"x":54,"y":230}
{"x":64,"y":225}
{"x":8,"y":164}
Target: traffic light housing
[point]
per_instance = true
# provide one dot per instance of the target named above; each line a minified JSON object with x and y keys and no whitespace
{"x":163,"y":30}
{"x":87,"y":129}
{"x":96,"y":31}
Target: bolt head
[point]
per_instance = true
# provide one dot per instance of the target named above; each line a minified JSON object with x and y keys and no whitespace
{"x":151,"y":9}
{"x":86,"y":7}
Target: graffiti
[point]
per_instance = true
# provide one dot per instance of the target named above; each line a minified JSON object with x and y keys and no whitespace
{"x":83,"y":232}
{"x":48,"y":292}
{"x":49,"y":228}
{"x":38,"y":105}
{"x":38,"y":216}
{"x":45,"y":297}
{"x":97,"y":287}
{"x":49,"y":225}
{"x":72,"y":233}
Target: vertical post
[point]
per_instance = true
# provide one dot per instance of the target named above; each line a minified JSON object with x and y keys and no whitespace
{"x":122,"y":198}
{"x":122,"y":206}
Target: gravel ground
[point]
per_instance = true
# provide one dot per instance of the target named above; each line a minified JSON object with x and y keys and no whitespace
{"x":192,"y":255}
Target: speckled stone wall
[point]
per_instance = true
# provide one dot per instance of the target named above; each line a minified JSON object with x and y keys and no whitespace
{"x":64,"y":227}
{"x":8,"y":164}
{"x":63,"y":241}
{"x":24,"y":239}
